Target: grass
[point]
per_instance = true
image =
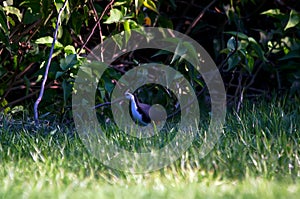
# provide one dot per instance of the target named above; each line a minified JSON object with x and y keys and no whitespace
{"x":256,"y":157}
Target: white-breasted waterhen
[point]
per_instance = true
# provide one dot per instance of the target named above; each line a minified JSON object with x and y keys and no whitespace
{"x":138,"y":111}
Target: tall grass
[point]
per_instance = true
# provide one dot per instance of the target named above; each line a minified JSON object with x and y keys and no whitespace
{"x":257,"y":156}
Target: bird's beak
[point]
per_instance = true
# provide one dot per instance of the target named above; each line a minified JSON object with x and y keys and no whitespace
{"x":126,"y":92}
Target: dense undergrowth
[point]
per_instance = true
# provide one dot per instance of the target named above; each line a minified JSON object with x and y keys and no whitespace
{"x":254,"y":59}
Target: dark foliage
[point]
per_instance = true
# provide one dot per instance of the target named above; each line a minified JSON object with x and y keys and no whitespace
{"x":255,"y":44}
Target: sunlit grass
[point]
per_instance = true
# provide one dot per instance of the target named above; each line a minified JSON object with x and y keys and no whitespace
{"x":256,"y":157}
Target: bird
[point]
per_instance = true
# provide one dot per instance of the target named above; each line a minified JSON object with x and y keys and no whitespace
{"x":138,"y":111}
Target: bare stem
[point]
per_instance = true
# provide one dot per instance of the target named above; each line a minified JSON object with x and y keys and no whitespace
{"x":39,"y":99}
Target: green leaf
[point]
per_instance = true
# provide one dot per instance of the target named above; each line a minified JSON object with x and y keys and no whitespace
{"x":15,"y":62}
{"x":70,"y":50}
{"x":65,"y":15}
{"x":238,"y":34}
{"x":127,"y":29}
{"x":17,"y":109}
{"x":48,"y":42}
{"x":257,"y":49}
{"x":225,"y":51}
{"x":233,"y":61}
{"x":294,"y":54}
{"x":3,"y":24}
{"x":120,"y":3}
{"x":192,"y":53}
{"x":293,"y":20}
{"x":14,"y":11}
{"x":67,"y":89}
{"x":11,"y":21}
{"x":179,"y":51}
{"x":272,"y":12}
{"x":151,"y":5}
{"x":58,"y":4}
{"x":76,"y":21}
{"x":68,"y":62}
{"x":30,"y":17}
{"x":115,"y":16}
{"x":59,"y":74}
{"x":118,"y":39}
{"x":161,"y":52}
{"x":249,"y":63}
{"x":5,"y":39}
{"x":233,"y":45}
{"x":165,"y":22}
{"x":3,"y":103}
{"x":137,"y":4}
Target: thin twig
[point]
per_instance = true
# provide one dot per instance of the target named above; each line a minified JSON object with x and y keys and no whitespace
{"x":199,"y":17}
{"x":10,"y":85}
{"x":36,"y":104}
{"x":23,"y":98}
{"x":95,"y":26}
{"x":100,"y":28}
{"x":109,"y":103}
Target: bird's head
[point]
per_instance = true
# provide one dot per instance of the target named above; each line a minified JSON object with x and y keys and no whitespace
{"x":129,"y":95}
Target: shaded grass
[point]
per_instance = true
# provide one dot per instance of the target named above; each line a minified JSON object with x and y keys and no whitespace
{"x":256,"y":157}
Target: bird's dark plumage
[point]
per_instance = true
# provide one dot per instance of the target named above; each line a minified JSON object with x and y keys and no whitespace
{"x":138,"y":111}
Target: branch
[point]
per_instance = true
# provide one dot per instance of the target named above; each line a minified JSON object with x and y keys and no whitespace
{"x":199,"y":17}
{"x":23,"y":98}
{"x":39,"y":99}
{"x":108,"y":103}
{"x":95,"y":26}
